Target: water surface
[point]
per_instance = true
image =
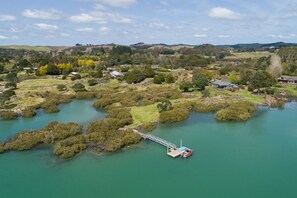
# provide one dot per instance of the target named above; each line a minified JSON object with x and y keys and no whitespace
{"x":254,"y":159}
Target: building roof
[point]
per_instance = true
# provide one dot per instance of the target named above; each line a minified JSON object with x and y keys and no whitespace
{"x":222,"y":83}
{"x":116,"y":73}
{"x":283,"y":77}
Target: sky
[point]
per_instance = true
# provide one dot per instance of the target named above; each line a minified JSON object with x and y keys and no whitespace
{"x":67,"y":22}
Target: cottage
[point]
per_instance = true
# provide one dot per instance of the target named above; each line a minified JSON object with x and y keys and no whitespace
{"x":287,"y":79}
{"x":223,"y":84}
{"x":116,"y":74}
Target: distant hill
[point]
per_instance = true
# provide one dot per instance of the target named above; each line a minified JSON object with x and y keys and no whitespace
{"x":141,"y":45}
{"x":27,"y":47}
{"x":258,"y":46}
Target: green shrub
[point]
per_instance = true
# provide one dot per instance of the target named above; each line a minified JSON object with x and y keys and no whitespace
{"x":179,"y":113}
{"x":209,"y":107}
{"x":134,"y":76}
{"x":92,"y":82}
{"x":159,"y":78}
{"x":78,"y":87}
{"x":70,"y":147}
{"x":61,"y":87}
{"x":8,"y":93}
{"x":28,"y":112}
{"x":164,"y":106}
{"x":185,"y":86}
{"x":85,"y":95}
{"x":8,"y":115}
{"x":237,"y":111}
{"x":150,"y":126}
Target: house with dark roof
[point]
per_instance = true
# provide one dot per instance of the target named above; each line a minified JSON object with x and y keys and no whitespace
{"x":287,"y":79}
{"x":222,"y":84}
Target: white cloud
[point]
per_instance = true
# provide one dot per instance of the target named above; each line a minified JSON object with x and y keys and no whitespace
{"x":224,"y":13}
{"x":104,"y":30}
{"x":200,"y":35}
{"x":42,"y":14}
{"x":3,"y":37}
{"x":85,"y":29}
{"x":7,"y":18}
{"x":7,"y":38}
{"x":283,"y":36}
{"x":204,"y":29}
{"x":223,"y":36}
{"x":44,"y":26}
{"x":159,"y":26}
{"x":99,"y":7}
{"x":64,"y":34}
{"x":85,"y":18}
{"x":99,"y":17}
{"x":119,"y":3}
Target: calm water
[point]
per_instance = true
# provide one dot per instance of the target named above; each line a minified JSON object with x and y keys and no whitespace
{"x":254,"y":159}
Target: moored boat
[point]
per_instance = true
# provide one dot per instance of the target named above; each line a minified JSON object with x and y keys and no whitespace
{"x":186,"y":152}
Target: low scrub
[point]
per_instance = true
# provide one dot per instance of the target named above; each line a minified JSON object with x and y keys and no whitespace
{"x":179,"y":113}
{"x":8,"y":115}
{"x":28,"y":112}
{"x":238,"y":111}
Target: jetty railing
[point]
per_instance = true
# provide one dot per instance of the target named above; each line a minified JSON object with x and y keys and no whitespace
{"x":156,"y":139}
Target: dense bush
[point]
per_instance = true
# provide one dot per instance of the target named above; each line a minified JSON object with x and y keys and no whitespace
{"x":164,"y":106}
{"x":51,"y":103}
{"x":150,"y":126}
{"x":237,"y":111}
{"x":137,"y":98}
{"x":179,"y":113}
{"x":8,"y":115}
{"x":134,"y":76}
{"x":78,"y":87}
{"x":200,"y":80}
{"x":185,"y":86}
{"x":159,"y":78}
{"x":61,"y":87}
{"x":28,"y":112}
{"x":70,"y":147}
{"x":92,"y":82}
{"x":209,"y":107}
{"x":53,"y":132}
{"x":85,"y":95}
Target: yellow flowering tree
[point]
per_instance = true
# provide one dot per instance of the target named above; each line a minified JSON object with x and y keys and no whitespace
{"x":65,"y":67}
{"x":86,"y":62}
{"x":42,"y":70}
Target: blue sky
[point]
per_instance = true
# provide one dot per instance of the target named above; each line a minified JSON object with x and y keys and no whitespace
{"x":66,"y":22}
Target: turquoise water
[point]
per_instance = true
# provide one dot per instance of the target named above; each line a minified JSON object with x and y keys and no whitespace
{"x":254,"y":159}
{"x":79,"y":111}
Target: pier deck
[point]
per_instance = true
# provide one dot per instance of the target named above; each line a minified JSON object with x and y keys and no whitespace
{"x":172,"y":149}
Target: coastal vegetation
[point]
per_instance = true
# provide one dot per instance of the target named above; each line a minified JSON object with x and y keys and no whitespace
{"x":137,"y":87}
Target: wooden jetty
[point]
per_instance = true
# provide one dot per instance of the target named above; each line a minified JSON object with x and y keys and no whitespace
{"x":172,"y":149}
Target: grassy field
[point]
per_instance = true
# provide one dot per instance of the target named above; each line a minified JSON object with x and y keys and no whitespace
{"x":245,"y":55}
{"x":238,"y":95}
{"x":144,"y":114}
{"x":290,"y":89}
{"x":27,"y":47}
{"x":26,"y":91}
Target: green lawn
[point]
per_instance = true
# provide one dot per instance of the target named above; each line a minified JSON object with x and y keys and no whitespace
{"x":245,"y":55}
{"x":241,"y":94}
{"x":290,"y":89}
{"x":144,"y":114}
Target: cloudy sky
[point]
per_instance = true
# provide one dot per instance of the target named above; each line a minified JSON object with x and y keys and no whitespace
{"x":66,"y":22}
